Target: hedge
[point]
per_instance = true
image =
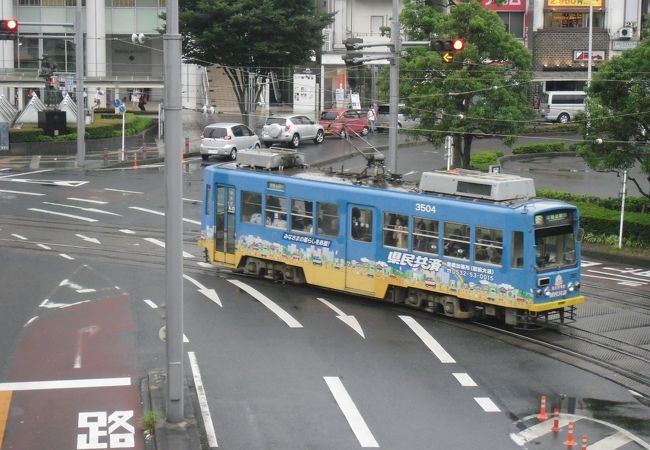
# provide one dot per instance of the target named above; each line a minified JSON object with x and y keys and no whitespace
{"x":554,"y":147}
{"x":632,"y":204}
{"x":483,"y":160}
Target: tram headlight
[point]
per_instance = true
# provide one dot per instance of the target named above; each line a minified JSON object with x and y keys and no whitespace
{"x":571,"y":287}
{"x":547,"y":292}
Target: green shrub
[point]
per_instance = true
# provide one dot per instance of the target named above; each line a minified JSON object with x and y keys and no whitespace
{"x":539,"y":148}
{"x":632,"y":204}
{"x":483,"y":160}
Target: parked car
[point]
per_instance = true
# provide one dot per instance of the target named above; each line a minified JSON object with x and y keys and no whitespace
{"x":383,"y":119}
{"x":224,"y":139}
{"x":291,"y":129}
{"x":337,"y":121}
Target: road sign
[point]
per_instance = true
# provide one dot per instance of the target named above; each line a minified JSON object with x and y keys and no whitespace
{"x":122,"y":109}
{"x":117,"y":103}
{"x":447,"y":57}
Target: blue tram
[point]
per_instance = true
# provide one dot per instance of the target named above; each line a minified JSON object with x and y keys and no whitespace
{"x":461,"y":243}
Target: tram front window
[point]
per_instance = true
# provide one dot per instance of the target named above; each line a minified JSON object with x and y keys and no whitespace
{"x":555,"y":247}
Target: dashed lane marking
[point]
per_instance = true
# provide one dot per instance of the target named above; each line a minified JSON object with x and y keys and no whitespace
{"x":465,"y":380}
{"x":487,"y":404}
{"x":54,"y":213}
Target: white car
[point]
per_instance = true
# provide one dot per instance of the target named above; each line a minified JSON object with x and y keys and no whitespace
{"x":224,"y":139}
{"x":291,"y":129}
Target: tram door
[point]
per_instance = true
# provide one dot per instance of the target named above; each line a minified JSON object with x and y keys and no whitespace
{"x":224,"y":224}
{"x":360,"y":249}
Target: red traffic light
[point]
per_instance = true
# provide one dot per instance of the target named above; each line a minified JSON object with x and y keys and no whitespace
{"x":457,"y":45}
{"x":8,"y":29}
{"x":11,"y":24}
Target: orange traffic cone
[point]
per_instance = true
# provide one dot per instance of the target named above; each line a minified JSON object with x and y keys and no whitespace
{"x":556,"y":420}
{"x":569,"y":439}
{"x":584,"y":442}
{"x":542,"y":412}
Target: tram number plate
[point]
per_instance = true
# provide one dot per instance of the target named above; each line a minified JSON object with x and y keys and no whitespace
{"x":425,"y":207}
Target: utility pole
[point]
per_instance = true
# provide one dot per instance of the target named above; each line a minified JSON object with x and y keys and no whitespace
{"x":393,"y":92}
{"x":79,"y":62}
{"x":173,"y":215}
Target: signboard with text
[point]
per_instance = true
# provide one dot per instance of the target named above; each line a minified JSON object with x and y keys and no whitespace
{"x":574,"y":4}
{"x":508,"y":5}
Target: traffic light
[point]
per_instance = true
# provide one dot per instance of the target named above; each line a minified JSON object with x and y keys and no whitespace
{"x":448,"y":45}
{"x":353,"y":43}
{"x":352,"y":59}
{"x":8,"y":29}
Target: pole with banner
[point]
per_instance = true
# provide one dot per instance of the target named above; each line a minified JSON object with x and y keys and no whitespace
{"x":120,"y":106}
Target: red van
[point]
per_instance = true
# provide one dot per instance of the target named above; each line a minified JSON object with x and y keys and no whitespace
{"x":336,"y":121}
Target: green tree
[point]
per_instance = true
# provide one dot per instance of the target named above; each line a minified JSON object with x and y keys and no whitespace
{"x":250,"y":36}
{"x":483,"y":92}
{"x":616,"y":123}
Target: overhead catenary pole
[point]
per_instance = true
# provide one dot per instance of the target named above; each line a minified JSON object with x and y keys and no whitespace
{"x":623,"y":193}
{"x":393,"y":100}
{"x":81,"y":110}
{"x":173,"y":215}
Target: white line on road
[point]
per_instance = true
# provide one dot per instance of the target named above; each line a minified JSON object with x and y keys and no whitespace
{"x":45,"y":211}
{"x":465,"y":380}
{"x":19,"y":236}
{"x":30,"y":321}
{"x":94,"y":210}
{"x":127,"y":231}
{"x":351,"y":413}
{"x":151,"y":304}
{"x":162,"y":244}
{"x":270,"y":304}
{"x":88,"y":239}
{"x":159,"y":213}
{"x":65,"y":384}
{"x":63,"y":255}
{"x":21,"y":192}
{"x":203,"y":401}
{"x":642,"y":280}
{"x":87,"y":200}
{"x":350,"y":321}
{"x":122,"y":190}
{"x":487,"y":404}
{"x":26,"y":173}
{"x":43,"y":246}
{"x":428,"y":340}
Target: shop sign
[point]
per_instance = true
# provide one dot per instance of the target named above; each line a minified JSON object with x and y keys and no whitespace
{"x":598,"y":4}
{"x":624,"y":45}
{"x":508,"y":5}
{"x":583,"y":55}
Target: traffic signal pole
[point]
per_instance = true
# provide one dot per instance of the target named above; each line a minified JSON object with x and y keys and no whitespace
{"x":79,"y":62}
{"x":393,"y":93}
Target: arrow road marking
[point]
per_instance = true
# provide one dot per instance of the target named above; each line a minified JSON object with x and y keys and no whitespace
{"x":350,"y":321}
{"x":270,"y":304}
{"x":89,"y":331}
{"x":210,"y":293}
{"x":51,"y":182}
{"x":89,"y":239}
{"x":160,"y":243}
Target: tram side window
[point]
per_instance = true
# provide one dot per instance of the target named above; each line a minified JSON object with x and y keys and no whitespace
{"x":361,"y":228}
{"x":396,"y":230}
{"x":251,"y":207}
{"x":276,"y":211}
{"x":207,"y":199}
{"x":456,"y":240}
{"x":328,"y":219}
{"x":488,"y":247}
{"x":425,"y":235}
{"x":517,"y":260}
{"x":302,"y":215}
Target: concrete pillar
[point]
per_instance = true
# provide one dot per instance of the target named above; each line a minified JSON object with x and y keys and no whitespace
{"x":95,"y":38}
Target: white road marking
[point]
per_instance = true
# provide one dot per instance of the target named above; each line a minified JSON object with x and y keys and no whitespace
{"x":19,"y":236}
{"x":619,"y":280}
{"x":63,"y":255}
{"x":94,"y":210}
{"x":88,"y":239}
{"x":350,"y":321}
{"x":191,"y":200}
{"x":204,"y":264}
{"x":65,"y":384}
{"x":159,"y":213}
{"x":465,"y":380}
{"x":26,"y":173}
{"x":30,"y":321}
{"x":127,"y":231}
{"x":151,"y":304}
{"x":203,"y":401}
{"x":43,"y":246}
{"x":642,"y":280}
{"x":487,"y":404}
{"x":210,"y":293}
{"x":89,"y":331}
{"x":22,"y":192}
{"x":351,"y":413}
{"x":540,"y":429}
{"x":87,"y":200}
{"x":121,"y":190}
{"x":270,"y":304}
{"x":54,"y":213}
{"x":616,"y":440}
{"x":428,"y":340}
{"x":50,"y":182}
{"x":585,"y":263}
{"x":86,"y":291}
{"x":162,"y":244}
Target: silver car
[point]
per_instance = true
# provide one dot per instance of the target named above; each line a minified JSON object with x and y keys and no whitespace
{"x":291,"y":129}
{"x":224,"y":139}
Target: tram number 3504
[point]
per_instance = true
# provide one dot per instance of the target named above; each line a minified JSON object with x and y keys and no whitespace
{"x":425,"y":207}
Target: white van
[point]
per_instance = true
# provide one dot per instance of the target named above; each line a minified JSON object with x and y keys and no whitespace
{"x":561,"y":106}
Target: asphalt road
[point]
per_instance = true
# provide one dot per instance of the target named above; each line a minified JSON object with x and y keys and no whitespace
{"x":88,"y":244}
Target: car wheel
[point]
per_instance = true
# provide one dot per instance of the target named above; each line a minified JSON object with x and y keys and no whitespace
{"x":295,"y":141}
{"x":320,"y":136}
{"x":257,"y":146}
{"x":205,"y":157}
{"x":268,"y":144}
{"x":365,"y":131}
{"x":563,"y":118}
{"x":233,"y":154}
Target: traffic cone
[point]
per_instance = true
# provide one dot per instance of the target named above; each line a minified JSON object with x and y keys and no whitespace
{"x":569,"y":439}
{"x":135,"y":160}
{"x":542,"y":412}
{"x":556,"y":420}
{"x":584,"y":442}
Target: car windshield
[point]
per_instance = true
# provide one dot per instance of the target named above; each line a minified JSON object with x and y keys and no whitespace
{"x":215,"y":133}
{"x":278,"y":120}
{"x":328,"y":115}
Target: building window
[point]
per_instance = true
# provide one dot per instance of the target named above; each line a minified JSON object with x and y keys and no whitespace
{"x":376,"y":22}
{"x":514,"y":22}
{"x":29,"y":2}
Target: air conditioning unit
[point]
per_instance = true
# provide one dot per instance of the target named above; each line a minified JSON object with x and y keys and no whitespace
{"x":626,"y":32}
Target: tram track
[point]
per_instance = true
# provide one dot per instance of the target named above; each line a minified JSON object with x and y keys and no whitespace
{"x":638,"y":300}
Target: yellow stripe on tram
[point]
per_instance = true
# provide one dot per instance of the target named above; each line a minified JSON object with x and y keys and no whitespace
{"x":5,"y":401}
